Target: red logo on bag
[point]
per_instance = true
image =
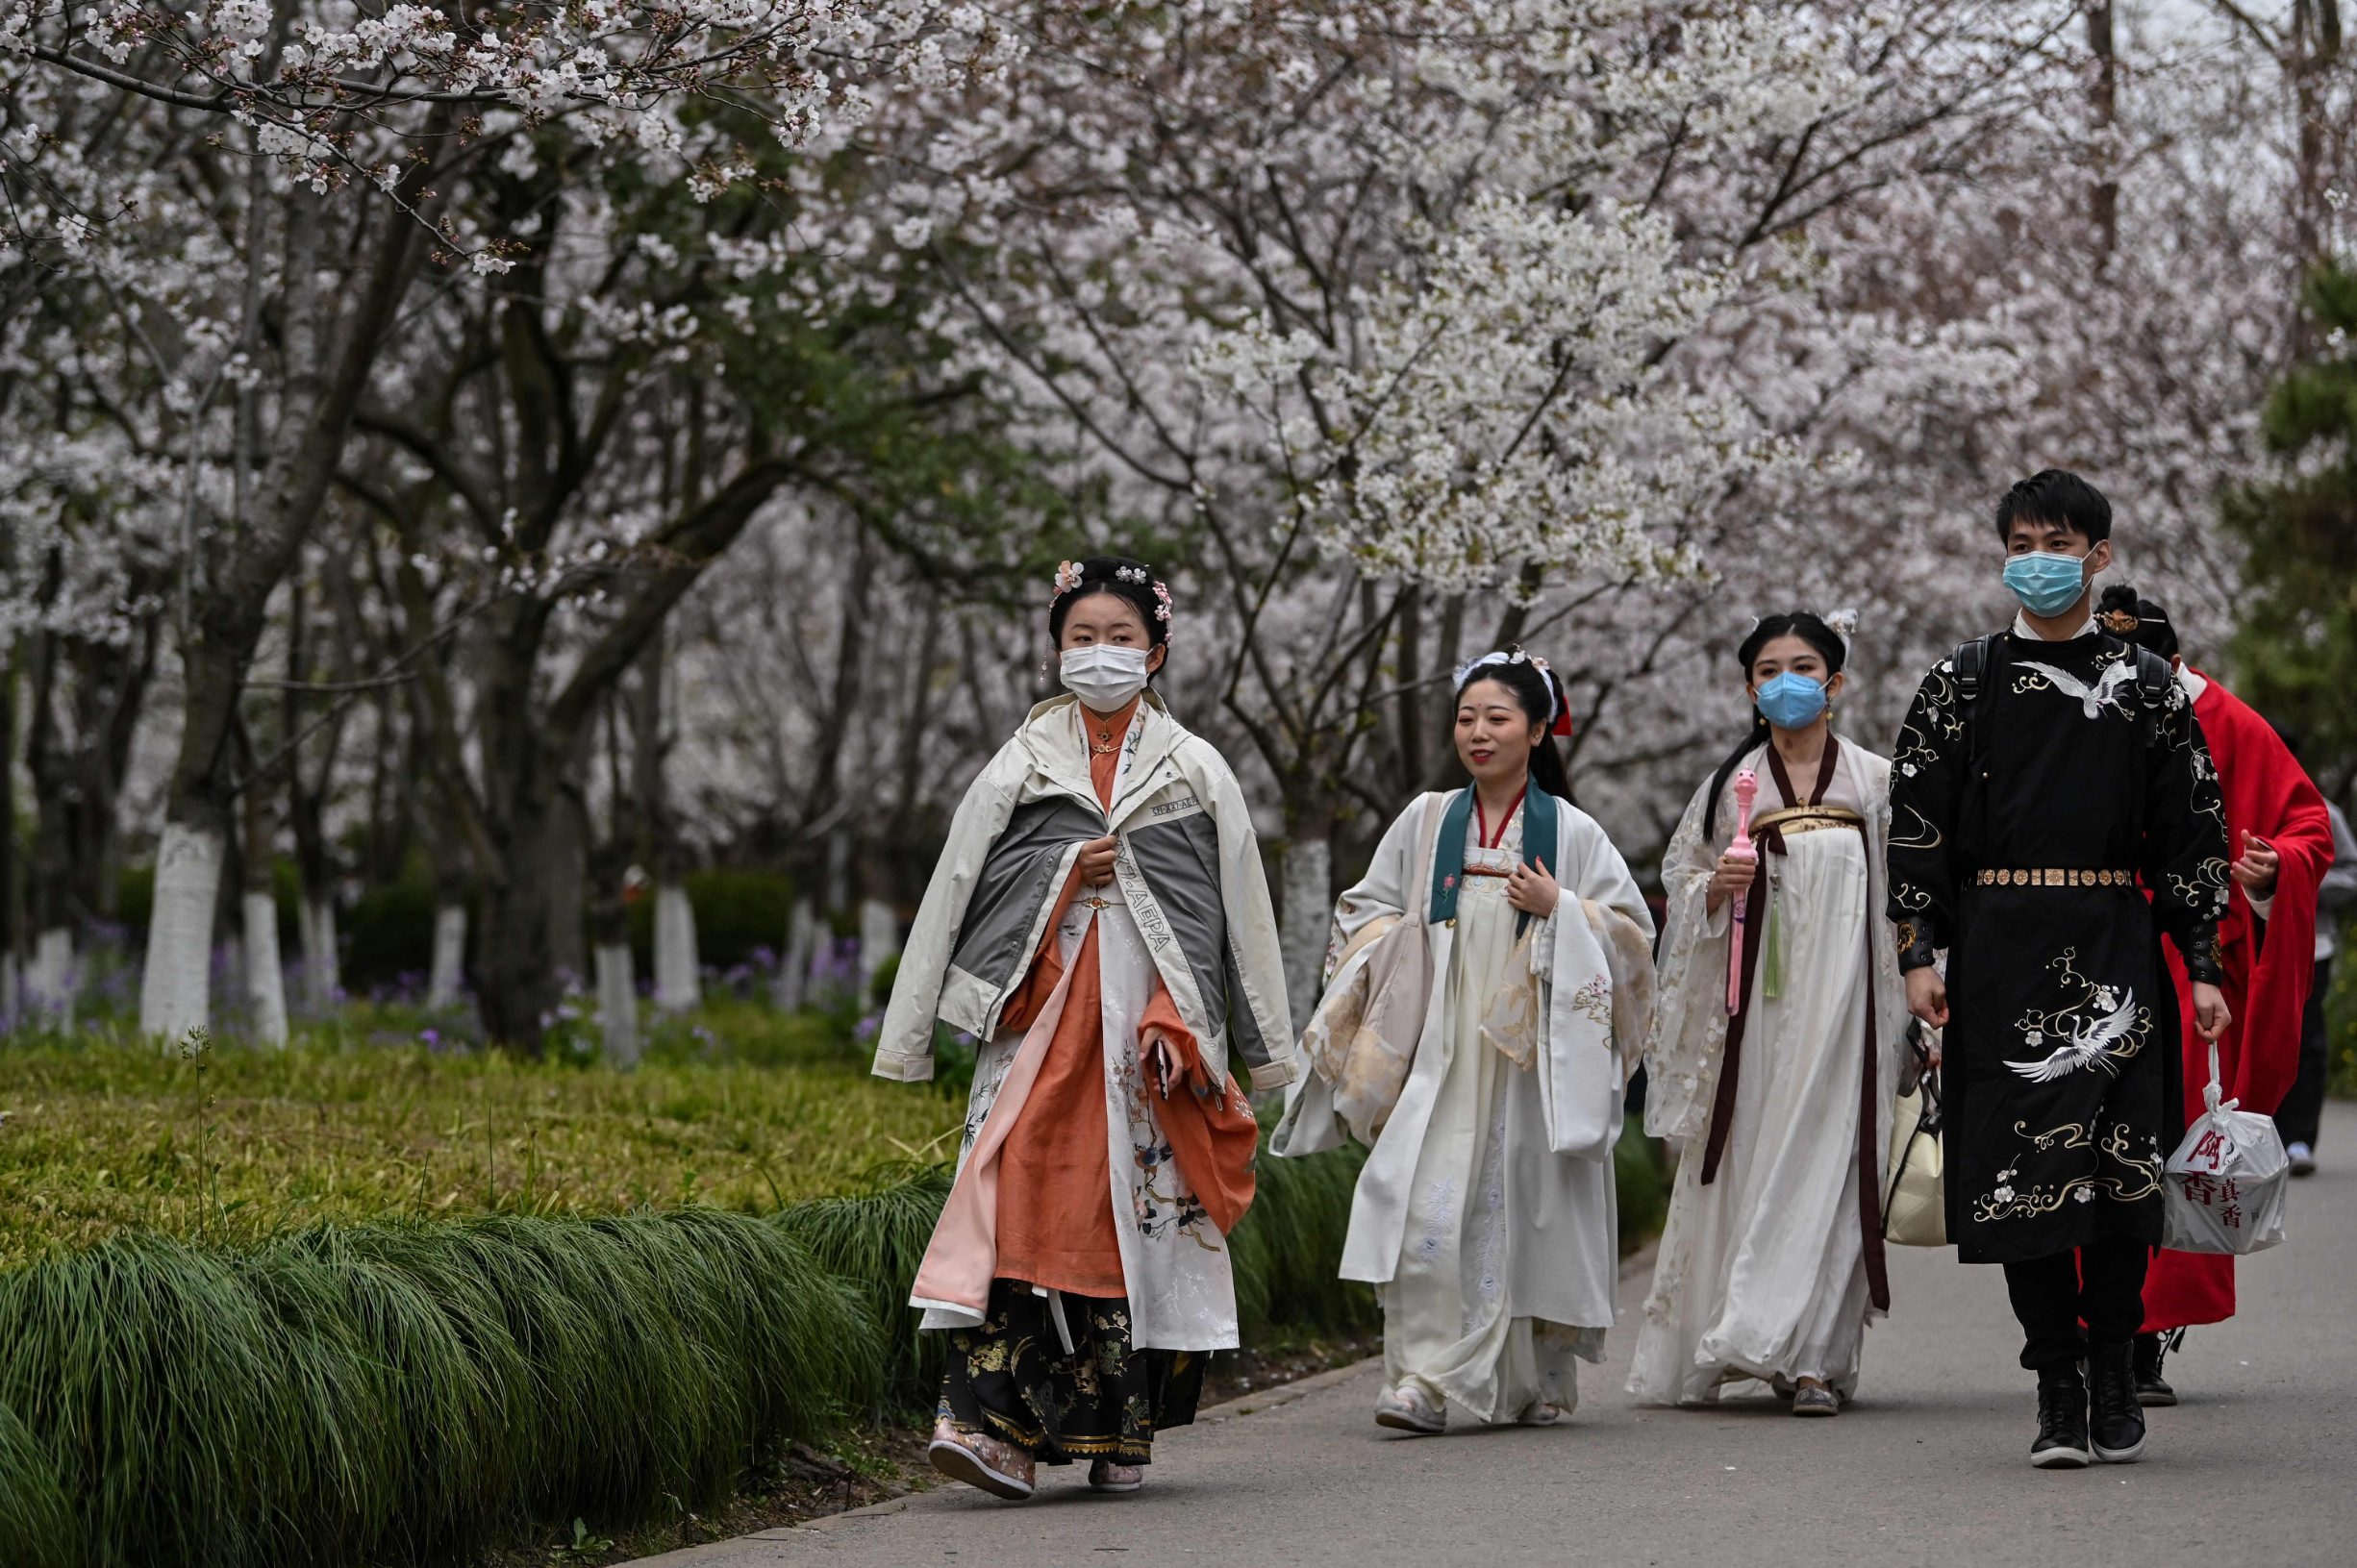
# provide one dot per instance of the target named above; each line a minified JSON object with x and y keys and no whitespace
{"x":2199,"y":1189}
{"x":2214,"y":1149}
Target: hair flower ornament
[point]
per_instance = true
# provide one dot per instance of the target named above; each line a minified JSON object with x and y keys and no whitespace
{"x":1131,"y":574}
{"x":1067,"y":577}
{"x":1162,"y":603}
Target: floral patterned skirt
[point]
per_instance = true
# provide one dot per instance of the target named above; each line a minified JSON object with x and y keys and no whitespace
{"x":1012,"y":1379}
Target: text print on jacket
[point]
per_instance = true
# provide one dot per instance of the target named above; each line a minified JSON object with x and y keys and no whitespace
{"x":1188,"y":868}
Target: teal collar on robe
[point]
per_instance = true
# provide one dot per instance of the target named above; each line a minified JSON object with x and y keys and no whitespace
{"x":1539,"y":836}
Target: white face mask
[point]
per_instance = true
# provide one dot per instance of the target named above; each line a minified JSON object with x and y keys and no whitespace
{"x":1103,"y":676}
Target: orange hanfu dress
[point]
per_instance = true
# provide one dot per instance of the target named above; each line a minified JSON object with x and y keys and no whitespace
{"x":1051,"y":1367}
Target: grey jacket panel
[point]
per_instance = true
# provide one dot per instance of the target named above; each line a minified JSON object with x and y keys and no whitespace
{"x":1022,"y":874}
{"x":1179,"y":858}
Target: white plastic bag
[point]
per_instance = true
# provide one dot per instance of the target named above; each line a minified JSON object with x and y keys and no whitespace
{"x":2224,"y":1185}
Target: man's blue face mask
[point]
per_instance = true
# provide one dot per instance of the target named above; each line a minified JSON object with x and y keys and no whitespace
{"x":2045,"y":583}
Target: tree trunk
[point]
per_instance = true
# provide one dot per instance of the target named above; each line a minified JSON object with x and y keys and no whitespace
{"x":2103,"y":107}
{"x":266,"y":981}
{"x":525,"y":907}
{"x":678,"y":986}
{"x":793,"y":971}
{"x":175,"y":980}
{"x":565,"y":866}
{"x":49,"y":983}
{"x":1305,"y":913}
{"x":617,"y":1003}
{"x":448,"y":975}
{"x":879,"y":942}
{"x":265,"y":977}
{"x":322,"y":965}
{"x":11,"y":901}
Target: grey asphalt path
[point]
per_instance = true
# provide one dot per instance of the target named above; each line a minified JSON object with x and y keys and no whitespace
{"x":2256,"y":1469}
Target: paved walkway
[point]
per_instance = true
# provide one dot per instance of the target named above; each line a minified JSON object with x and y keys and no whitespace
{"x":2257,"y":1469}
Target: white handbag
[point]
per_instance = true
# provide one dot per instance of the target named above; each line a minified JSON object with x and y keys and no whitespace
{"x":2224,"y":1188}
{"x":1914,"y":1195}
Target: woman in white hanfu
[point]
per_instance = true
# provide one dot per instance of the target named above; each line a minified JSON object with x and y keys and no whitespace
{"x":1771,"y":1261}
{"x":1487,"y":991}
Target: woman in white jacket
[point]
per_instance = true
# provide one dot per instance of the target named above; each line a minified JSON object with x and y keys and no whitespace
{"x":1099,"y":921}
{"x":1490,"y":985}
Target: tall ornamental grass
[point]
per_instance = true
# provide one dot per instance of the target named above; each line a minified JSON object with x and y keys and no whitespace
{"x":407,"y":1391}
{"x":399,"y":1393}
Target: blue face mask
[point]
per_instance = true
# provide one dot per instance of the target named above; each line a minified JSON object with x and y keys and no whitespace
{"x":2047,"y":583}
{"x":1791,"y":701}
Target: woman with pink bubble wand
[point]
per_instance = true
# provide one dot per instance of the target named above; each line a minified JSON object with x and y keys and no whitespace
{"x":1775,"y":1048}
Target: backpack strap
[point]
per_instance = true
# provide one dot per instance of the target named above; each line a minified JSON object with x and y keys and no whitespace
{"x":1972,"y":662}
{"x":2154,"y":676}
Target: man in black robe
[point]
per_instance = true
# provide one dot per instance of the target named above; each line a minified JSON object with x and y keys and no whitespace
{"x":2053,"y":810}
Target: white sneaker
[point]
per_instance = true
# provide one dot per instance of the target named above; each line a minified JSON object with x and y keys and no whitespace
{"x":2303,"y":1159}
{"x":1409,"y":1409}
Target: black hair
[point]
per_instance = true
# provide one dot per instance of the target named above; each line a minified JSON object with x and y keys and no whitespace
{"x":1123,"y":579}
{"x":1810,"y":629}
{"x":2141,"y":621}
{"x":1542,"y":698}
{"x":2055,"y":495}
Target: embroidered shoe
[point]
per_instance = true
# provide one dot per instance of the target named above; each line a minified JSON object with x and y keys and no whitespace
{"x":977,"y":1458}
{"x":1105,"y":1476}
{"x":2060,"y":1443}
{"x":1409,"y":1409}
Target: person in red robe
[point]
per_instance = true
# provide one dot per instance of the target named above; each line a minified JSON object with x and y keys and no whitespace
{"x":2281,"y":835}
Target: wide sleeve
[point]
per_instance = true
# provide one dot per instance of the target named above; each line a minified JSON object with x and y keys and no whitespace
{"x":2185,"y":839}
{"x":2285,"y":810}
{"x":1260,"y":1025}
{"x":1313,"y":1121}
{"x":1927,"y":787}
{"x":904,"y":1044}
{"x":1390,"y":887}
{"x":1689,"y":1033}
{"x":1594,"y":954}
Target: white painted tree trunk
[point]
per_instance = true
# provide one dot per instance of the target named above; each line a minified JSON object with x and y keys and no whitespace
{"x":449,"y":972}
{"x":9,"y":992}
{"x":879,"y":940}
{"x":49,"y":984}
{"x":1305,"y":918}
{"x":677,"y":985}
{"x":322,"y":969}
{"x":793,"y":972}
{"x":266,"y":979}
{"x":175,"y":979}
{"x":617,"y":1003}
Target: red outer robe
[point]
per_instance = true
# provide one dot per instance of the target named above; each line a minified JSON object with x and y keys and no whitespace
{"x":2267,"y":979}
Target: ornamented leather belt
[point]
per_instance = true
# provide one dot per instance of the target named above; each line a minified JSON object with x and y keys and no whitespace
{"x":1799,"y":819}
{"x":2055,"y":875}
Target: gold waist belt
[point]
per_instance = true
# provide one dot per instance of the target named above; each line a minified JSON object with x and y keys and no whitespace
{"x":1798,"y":819}
{"x":2056,"y":876}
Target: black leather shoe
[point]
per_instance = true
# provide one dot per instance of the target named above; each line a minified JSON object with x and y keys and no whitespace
{"x":2115,"y":1421}
{"x":2062,"y":1419}
{"x":2151,"y":1389}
